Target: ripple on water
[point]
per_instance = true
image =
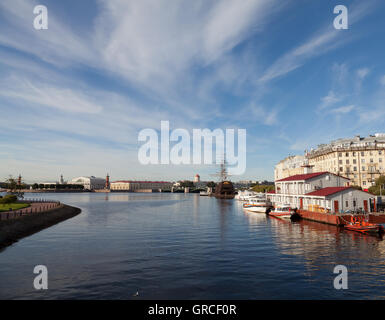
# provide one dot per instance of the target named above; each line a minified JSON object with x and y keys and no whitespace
{"x":176,"y":246}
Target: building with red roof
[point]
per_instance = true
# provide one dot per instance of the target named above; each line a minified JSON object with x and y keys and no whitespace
{"x":322,"y":192}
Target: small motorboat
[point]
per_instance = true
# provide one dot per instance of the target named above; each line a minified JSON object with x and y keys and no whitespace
{"x":257,"y":204}
{"x":282,"y":212}
{"x":358,"y":224}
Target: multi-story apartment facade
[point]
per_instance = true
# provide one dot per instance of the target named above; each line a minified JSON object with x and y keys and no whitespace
{"x":290,"y":166}
{"x":361,"y":159}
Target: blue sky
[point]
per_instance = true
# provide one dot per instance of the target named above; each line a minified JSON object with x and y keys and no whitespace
{"x":74,"y":97}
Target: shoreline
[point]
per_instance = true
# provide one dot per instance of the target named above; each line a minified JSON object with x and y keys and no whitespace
{"x":13,"y":230}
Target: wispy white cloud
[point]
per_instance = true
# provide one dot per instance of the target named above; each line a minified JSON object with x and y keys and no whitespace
{"x":325,"y":39}
{"x":58,"y":45}
{"x":64,"y":99}
{"x":363,"y":72}
{"x":329,"y":100}
{"x":343,"y":110}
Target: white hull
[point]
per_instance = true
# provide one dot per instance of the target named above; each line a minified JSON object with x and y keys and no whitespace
{"x":283,"y":217}
{"x":256,"y":209}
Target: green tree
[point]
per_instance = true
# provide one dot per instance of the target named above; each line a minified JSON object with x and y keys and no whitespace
{"x":211,"y":184}
{"x":187,"y":184}
{"x":263,"y":188}
{"x":379,"y":187}
{"x":11,"y":184}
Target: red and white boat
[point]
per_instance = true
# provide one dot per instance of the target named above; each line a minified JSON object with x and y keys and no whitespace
{"x":282,"y":212}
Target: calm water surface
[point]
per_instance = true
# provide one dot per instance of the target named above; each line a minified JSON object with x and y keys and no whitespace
{"x":177,"y":246}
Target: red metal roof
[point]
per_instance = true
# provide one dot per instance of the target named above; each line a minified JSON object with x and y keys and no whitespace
{"x":133,"y":181}
{"x":273,"y":191}
{"x":300,"y":177}
{"x":327,"y":191}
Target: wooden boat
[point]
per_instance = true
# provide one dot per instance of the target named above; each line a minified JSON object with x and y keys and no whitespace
{"x":224,"y":190}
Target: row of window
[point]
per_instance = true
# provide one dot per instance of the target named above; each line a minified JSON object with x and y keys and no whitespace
{"x":363,"y":168}
{"x":347,"y":154}
{"x":347,"y":161}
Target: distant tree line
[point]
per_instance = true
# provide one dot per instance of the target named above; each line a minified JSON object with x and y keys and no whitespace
{"x":12,"y":184}
{"x":190,"y":184}
{"x":37,"y":186}
{"x":263,"y":188}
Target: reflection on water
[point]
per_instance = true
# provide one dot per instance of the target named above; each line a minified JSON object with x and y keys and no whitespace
{"x":172,"y":246}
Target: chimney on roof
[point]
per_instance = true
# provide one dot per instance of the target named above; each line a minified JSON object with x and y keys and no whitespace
{"x":307,"y":169}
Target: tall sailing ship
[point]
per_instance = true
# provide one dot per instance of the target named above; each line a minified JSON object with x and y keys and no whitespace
{"x":225,"y":188}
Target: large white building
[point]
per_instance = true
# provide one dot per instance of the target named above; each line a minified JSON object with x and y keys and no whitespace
{"x":90,"y":183}
{"x":321,"y":192}
{"x":140,"y":186}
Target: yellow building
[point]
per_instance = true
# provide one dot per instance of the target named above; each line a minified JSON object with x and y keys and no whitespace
{"x":290,"y":166}
{"x":361,"y":159}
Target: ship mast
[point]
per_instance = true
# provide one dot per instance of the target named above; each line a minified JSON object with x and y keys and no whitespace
{"x":223,"y":173}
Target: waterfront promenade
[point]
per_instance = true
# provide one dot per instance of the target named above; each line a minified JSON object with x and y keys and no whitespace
{"x":35,"y":207}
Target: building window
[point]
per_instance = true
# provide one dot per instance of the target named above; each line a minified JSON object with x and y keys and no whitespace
{"x":354,"y":154}
{"x":354,"y":161}
{"x":379,"y":152}
{"x":362,"y":160}
{"x":347,"y":161}
{"x":363,"y":169}
{"x":347,"y":154}
{"x":340,"y":154}
{"x":371,"y":160}
{"x":364,"y":183}
{"x":341,"y":169}
{"x":380,"y":160}
{"x":355,"y":169}
{"x":362,"y":153}
{"x":347,"y":204}
{"x":340,"y":162}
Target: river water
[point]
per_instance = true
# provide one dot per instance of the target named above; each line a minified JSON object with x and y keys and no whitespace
{"x":177,"y":246}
